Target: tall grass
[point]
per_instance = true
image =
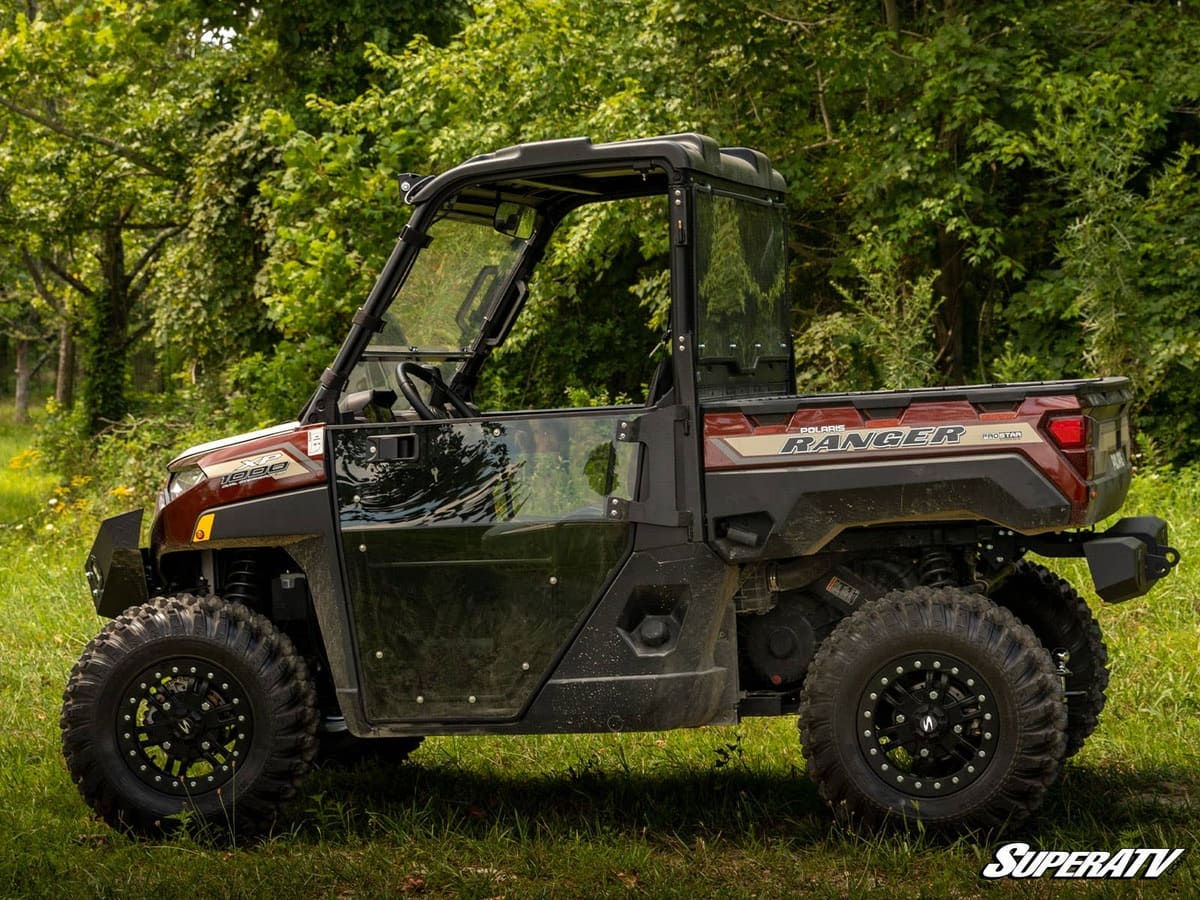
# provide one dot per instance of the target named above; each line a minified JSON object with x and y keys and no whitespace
{"x":709,"y":812}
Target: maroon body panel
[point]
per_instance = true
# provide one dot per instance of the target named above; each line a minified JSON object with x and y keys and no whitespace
{"x":175,"y":525}
{"x":819,"y":435}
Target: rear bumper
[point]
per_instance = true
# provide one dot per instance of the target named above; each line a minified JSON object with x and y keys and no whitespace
{"x":1125,"y":561}
{"x":118,"y":570}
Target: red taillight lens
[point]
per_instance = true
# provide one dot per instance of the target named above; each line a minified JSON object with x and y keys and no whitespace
{"x":1069,"y":432}
{"x":1073,"y":435}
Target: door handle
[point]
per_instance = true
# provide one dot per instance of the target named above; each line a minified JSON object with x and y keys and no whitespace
{"x":392,"y":447}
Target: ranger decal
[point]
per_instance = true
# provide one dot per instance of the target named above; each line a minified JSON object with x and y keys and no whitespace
{"x":916,"y":437}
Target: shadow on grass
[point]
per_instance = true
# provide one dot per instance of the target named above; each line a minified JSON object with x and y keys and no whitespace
{"x":1105,"y":799}
{"x":1089,"y":807}
{"x":741,"y":806}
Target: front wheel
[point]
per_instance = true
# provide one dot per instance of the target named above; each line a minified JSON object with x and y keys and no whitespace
{"x":192,"y":707}
{"x":932,"y":705}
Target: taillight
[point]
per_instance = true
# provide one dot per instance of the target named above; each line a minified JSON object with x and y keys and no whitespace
{"x":1073,"y":435}
{"x":1069,"y":432}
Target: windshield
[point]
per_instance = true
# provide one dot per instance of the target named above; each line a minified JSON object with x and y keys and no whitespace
{"x":451,"y":287}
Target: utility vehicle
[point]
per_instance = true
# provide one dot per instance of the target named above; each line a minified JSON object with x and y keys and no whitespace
{"x":399,"y":563}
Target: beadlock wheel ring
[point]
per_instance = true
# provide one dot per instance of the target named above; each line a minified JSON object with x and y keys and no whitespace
{"x":928,"y":724}
{"x":184,"y":726}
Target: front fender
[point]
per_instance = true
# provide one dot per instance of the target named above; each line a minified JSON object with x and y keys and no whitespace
{"x":119,"y":572}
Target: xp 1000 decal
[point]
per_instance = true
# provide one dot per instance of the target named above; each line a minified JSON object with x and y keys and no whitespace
{"x":272,"y":464}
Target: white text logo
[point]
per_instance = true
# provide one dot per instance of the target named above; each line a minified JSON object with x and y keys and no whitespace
{"x":1017,"y":860}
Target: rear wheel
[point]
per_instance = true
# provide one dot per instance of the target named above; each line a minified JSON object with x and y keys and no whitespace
{"x":189,"y":706}
{"x":932,"y":705}
{"x":1063,"y":621}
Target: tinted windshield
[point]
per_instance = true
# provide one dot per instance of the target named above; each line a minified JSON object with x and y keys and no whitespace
{"x":452,"y":285}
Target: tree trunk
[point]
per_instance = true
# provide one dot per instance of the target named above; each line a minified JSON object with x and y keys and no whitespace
{"x":891,"y":14}
{"x":24,"y":376}
{"x":106,"y":344}
{"x":64,"y":382}
{"x":951,"y":317}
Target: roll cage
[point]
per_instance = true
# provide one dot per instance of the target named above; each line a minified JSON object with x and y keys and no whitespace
{"x":549,"y":179}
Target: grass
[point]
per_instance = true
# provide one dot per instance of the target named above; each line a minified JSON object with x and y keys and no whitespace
{"x":709,"y":812}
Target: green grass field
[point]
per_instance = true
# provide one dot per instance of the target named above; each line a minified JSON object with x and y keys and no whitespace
{"x":704,"y":813}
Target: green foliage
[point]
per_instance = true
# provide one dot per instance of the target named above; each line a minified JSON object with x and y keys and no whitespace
{"x":1024,"y":171}
{"x":885,"y":339}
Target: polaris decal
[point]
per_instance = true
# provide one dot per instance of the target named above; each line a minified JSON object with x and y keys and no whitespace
{"x":274,"y":464}
{"x":816,"y":442}
{"x":316,"y":441}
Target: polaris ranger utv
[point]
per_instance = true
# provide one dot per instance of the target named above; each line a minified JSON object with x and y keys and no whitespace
{"x":399,"y":563}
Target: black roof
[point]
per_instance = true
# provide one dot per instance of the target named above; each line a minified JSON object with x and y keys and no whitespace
{"x":693,"y":152}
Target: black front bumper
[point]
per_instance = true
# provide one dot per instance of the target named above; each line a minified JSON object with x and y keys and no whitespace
{"x":1125,"y":561}
{"x":118,"y":570}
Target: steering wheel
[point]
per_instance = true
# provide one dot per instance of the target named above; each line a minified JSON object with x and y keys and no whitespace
{"x":440,"y":394}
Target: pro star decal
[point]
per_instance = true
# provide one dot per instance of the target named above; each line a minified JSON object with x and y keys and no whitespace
{"x":916,"y":437}
{"x":274,"y":464}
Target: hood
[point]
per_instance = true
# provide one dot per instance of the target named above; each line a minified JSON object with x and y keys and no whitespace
{"x":200,"y":449}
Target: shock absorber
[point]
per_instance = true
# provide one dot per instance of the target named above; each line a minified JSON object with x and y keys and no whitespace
{"x":241,"y":581}
{"x":936,"y":569}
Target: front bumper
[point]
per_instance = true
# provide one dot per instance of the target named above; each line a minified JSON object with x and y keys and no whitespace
{"x":119,"y":572}
{"x":1125,"y":561}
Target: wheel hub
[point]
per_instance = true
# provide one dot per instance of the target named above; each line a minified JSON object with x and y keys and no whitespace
{"x":184,"y":726}
{"x":928,"y":724}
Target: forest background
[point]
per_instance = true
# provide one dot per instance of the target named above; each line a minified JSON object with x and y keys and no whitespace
{"x":195,"y":197}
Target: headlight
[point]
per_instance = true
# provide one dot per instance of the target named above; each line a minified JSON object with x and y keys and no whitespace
{"x":182,"y":480}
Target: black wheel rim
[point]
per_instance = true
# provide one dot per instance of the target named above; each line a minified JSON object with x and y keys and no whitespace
{"x":184,"y":726}
{"x":928,"y":724}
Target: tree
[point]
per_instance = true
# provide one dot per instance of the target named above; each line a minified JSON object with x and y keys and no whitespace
{"x":100,"y":119}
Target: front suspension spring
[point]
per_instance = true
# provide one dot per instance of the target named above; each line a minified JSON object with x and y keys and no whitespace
{"x":241,"y":581}
{"x":936,"y":569}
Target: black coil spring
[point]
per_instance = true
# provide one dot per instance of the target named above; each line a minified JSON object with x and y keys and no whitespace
{"x":936,"y":569}
{"x":241,"y":581}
